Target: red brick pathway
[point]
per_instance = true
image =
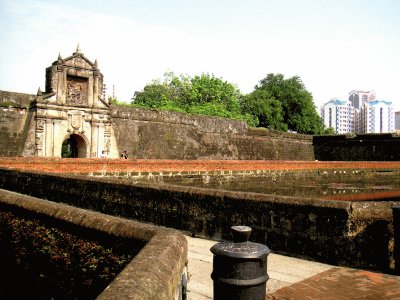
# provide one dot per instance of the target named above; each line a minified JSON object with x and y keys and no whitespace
{"x":82,"y":165}
{"x":342,"y":283}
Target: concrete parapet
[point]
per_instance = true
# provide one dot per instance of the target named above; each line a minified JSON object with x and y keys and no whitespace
{"x":154,"y":273}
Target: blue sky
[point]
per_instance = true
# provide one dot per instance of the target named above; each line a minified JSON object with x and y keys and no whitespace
{"x":334,"y":46}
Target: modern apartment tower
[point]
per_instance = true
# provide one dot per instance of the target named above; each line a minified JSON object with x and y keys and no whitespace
{"x":339,"y":115}
{"x":376,"y":117}
{"x":361,"y":114}
{"x":397,"y":120}
{"x":358,"y":98}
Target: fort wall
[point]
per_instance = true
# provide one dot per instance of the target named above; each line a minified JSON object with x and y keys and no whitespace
{"x":169,"y":135}
{"x":15,"y":118}
{"x":355,"y":234}
{"x":156,"y":134}
{"x":350,"y":147}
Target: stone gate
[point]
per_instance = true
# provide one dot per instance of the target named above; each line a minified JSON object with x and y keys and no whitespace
{"x":72,"y":117}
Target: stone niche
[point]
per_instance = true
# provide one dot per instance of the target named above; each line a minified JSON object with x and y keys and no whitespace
{"x":77,"y":90}
{"x":72,"y":111}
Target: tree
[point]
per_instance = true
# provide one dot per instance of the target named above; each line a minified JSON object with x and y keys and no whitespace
{"x":265,"y":110}
{"x":295,"y":112}
{"x":156,"y":94}
{"x":329,"y":130}
{"x":204,"y":94}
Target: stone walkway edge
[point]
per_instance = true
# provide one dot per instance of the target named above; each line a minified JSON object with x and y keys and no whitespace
{"x":293,"y":278}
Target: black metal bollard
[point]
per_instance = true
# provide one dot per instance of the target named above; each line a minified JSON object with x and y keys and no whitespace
{"x":240,"y":268}
{"x":396,"y":227}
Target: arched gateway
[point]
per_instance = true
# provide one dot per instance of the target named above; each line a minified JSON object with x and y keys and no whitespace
{"x":74,"y":146}
{"x":72,"y":117}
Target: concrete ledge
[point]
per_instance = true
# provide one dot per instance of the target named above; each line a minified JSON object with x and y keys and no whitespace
{"x":156,"y":271}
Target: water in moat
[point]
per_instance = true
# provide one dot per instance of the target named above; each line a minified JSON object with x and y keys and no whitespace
{"x":378,"y":188}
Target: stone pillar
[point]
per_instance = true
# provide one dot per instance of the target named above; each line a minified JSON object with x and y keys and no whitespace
{"x":95,"y":89}
{"x":40,"y":136}
{"x":57,"y":138}
{"x":100,"y":139}
{"x":48,"y":149}
{"x":93,"y":140}
{"x":60,"y":84}
{"x":90,"y":91}
{"x":64,"y":88}
{"x":107,"y":139}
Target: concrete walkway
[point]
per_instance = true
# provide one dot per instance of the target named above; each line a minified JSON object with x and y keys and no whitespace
{"x":282,"y":270}
{"x":293,"y":278}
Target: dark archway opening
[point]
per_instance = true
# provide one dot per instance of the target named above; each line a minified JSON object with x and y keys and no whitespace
{"x":73,"y":147}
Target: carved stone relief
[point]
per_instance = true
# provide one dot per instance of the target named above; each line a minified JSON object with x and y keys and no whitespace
{"x":39,"y":135}
{"x":77,"y":89}
{"x":79,"y":62}
{"x":76,"y":121}
{"x":107,"y":137}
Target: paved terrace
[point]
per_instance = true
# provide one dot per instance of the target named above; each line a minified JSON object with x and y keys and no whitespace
{"x":293,"y":278}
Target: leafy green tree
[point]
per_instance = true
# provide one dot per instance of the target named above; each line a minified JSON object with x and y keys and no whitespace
{"x":266,"y":110}
{"x":296,"y":111}
{"x":329,"y":130}
{"x":209,"y":89}
{"x":154,"y":95}
{"x":204,"y":94}
{"x":276,"y":103}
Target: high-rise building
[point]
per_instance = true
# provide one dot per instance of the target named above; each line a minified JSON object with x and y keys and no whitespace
{"x":397,"y":120}
{"x":339,"y":115}
{"x":357,"y":98}
{"x":376,"y":117}
{"x":361,"y":114}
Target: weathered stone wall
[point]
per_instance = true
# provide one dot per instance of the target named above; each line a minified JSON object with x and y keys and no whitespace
{"x":362,"y":147}
{"x":337,"y":232}
{"x":15,"y":118}
{"x":50,"y":250}
{"x":12,"y":124}
{"x":161,"y":135}
{"x":169,"y":135}
{"x":13,"y":99}
{"x":155,"y":134}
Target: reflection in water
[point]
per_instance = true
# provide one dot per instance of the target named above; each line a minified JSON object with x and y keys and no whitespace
{"x":350,"y":189}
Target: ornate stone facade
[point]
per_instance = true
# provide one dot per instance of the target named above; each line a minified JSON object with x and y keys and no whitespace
{"x":72,"y":109}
